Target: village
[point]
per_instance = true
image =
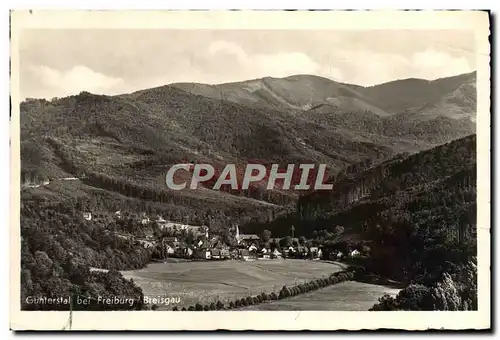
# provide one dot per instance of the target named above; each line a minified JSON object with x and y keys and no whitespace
{"x":173,"y":240}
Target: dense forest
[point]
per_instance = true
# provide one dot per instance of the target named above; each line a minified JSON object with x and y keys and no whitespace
{"x":452,"y":292}
{"x":58,"y":247}
{"x":417,"y":213}
{"x":136,"y":136}
{"x":414,"y":211}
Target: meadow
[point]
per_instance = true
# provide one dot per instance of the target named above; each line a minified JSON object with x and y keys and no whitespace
{"x":344,"y":296}
{"x":209,"y":281}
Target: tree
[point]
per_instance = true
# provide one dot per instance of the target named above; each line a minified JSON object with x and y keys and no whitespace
{"x":286,"y":242}
{"x":445,"y":295}
{"x":265,"y":236}
{"x":385,"y":303}
{"x":339,"y":230}
{"x":315,"y":234}
{"x":469,"y":290}
{"x":302,"y":240}
{"x":414,"y":297}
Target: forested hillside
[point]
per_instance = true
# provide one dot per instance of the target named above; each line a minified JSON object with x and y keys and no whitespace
{"x":58,"y":247}
{"x":417,"y":212}
{"x":136,"y":137}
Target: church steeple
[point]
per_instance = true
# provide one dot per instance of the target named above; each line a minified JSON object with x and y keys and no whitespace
{"x":237,"y":235}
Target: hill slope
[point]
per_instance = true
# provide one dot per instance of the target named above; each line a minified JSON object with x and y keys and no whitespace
{"x":299,"y":92}
{"x":417,"y":213}
{"x":453,"y":97}
{"x":127,"y":143}
{"x":407,"y":184}
{"x":418,"y":94}
{"x":131,"y":140}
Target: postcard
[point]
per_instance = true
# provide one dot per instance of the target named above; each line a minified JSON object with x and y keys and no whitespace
{"x":250,"y":170}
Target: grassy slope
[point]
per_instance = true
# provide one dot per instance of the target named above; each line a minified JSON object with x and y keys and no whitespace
{"x":304,"y":92}
{"x":202,"y":282}
{"x":345,"y":296}
{"x":415,"y":93}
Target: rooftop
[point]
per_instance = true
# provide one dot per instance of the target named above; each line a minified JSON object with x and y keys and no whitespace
{"x":249,"y":237}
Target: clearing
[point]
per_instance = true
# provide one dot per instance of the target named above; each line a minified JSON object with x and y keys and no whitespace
{"x":208,"y":281}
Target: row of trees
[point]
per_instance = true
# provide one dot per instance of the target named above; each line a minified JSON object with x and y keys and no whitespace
{"x":284,"y":293}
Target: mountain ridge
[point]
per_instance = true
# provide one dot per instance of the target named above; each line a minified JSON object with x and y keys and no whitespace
{"x":409,"y":93}
{"x":135,"y":137}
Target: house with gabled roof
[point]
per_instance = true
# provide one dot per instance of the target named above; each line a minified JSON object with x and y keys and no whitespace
{"x":224,"y":253}
{"x":204,"y":254}
{"x":215,"y":253}
{"x":146,"y":243}
{"x":252,"y":248}
{"x":244,"y":254}
{"x":275,"y":254}
{"x":184,"y":251}
{"x":264,"y":253}
{"x":354,"y":253}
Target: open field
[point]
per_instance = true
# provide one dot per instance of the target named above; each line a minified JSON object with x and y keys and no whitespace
{"x":345,"y":296}
{"x":208,"y":281}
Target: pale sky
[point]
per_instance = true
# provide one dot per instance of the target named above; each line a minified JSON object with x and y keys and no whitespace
{"x":56,"y":63}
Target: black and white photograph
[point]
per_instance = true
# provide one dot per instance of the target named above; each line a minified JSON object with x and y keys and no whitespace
{"x":211,"y":170}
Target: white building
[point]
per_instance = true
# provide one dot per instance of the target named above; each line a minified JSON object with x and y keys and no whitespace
{"x":170,"y":250}
{"x":197,"y":230}
{"x":146,"y":243}
{"x":276,"y":254}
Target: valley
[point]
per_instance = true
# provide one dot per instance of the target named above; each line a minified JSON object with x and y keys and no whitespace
{"x":400,"y":158}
